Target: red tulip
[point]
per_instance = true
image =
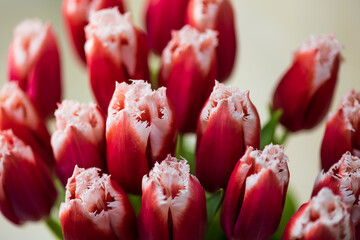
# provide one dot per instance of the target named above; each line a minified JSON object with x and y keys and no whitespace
{"x":79,"y":138}
{"x":116,"y":51}
{"x":188,"y":71}
{"x":76,"y":16}
{"x":173,"y":203}
{"x":228,"y":123}
{"x":140,"y":130}
{"x":18,"y":113}
{"x":34,"y":62}
{"x":324,"y":217}
{"x":96,"y":208}
{"x":163,"y":16}
{"x":305,"y":91}
{"x":255,"y":194}
{"x":343,"y":178}
{"x":27,"y":192}
{"x":219,"y":16}
{"x":342,"y":132}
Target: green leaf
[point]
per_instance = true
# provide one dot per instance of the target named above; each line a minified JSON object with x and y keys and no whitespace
{"x":214,"y":230}
{"x":213,"y":203}
{"x":268,"y":131}
{"x":185,"y":152}
{"x":135,"y":201}
{"x":288,"y":212}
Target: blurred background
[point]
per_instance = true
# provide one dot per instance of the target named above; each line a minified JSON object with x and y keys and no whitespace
{"x":269,"y":32}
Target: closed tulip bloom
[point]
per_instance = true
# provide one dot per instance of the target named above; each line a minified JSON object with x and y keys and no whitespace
{"x":79,"y":138}
{"x":116,"y":51}
{"x":75,"y":15}
{"x":255,"y":194}
{"x":188,"y":71}
{"x":306,"y":90}
{"x":219,"y":16}
{"x":343,"y":178}
{"x":27,"y":192}
{"x":228,"y":124}
{"x":342,"y":132}
{"x":173,"y":203}
{"x":96,"y":208}
{"x":34,"y":62}
{"x":163,"y":16}
{"x":140,"y":130}
{"x":18,"y":113}
{"x":324,"y":217}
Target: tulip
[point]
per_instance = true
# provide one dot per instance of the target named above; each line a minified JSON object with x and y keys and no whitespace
{"x":324,"y":217}
{"x":188,"y":71}
{"x":219,"y":16}
{"x":18,"y":113}
{"x":228,"y":123}
{"x":27,"y":192}
{"x":140,"y":130}
{"x":255,"y":195}
{"x":163,"y":16}
{"x":305,"y":91}
{"x":96,"y":208}
{"x":79,"y":138}
{"x":34,"y":62}
{"x":76,"y":16}
{"x":342,"y":131}
{"x":173,"y":203}
{"x":343,"y":178}
{"x":116,"y":51}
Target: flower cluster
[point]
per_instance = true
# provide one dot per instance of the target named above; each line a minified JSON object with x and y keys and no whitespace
{"x":115,"y":159}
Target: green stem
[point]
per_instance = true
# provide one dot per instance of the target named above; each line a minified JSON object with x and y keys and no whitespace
{"x":54,"y":227}
{"x":180,"y":146}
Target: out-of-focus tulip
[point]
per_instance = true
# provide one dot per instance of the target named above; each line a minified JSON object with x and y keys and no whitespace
{"x":255,"y":194}
{"x":96,"y":208}
{"x":305,"y":91}
{"x":163,"y":16}
{"x":18,"y":113}
{"x":116,"y":51}
{"x":34,"y":62}
{"x":188,"y":71}
{"x":27,"y":192}
{"x":228,"y":124}
{"x":173,"y":203}
{"x":76,"y":16}
{"x":140,"y":130}
{"x":343,"y":178}
{"x":342,"y":131}
{"x":217,"y":15}
{"x":79,"y":138}
{"x":324,"y":217}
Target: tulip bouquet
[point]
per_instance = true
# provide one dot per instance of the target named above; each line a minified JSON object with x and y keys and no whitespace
{"x":124,"y":166}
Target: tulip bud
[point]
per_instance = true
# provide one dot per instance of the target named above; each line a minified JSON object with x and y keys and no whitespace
{"x":305,"y":91}
{"x":115,"y":52}
{"x":343,"y":178}
{"x":219,"y":16}
{"x":255,"y":194}
{"x":76,"y":16}
{"x":325,"y":217}
{"x":18,"y":113}
{"x":188,"y":71}
{"x":96,"y":208}
{"x":79,"y":138}
{"x":173,"y":203}
{"x":163,"y":16}
{"x":342,"y":131}
{"x":27,"y":192}
{"x":228,"y":123}
{"x":140,"y":130}
{"x":34,"y":62}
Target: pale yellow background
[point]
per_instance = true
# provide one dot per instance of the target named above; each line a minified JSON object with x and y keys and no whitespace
{"x":269,"y":32}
